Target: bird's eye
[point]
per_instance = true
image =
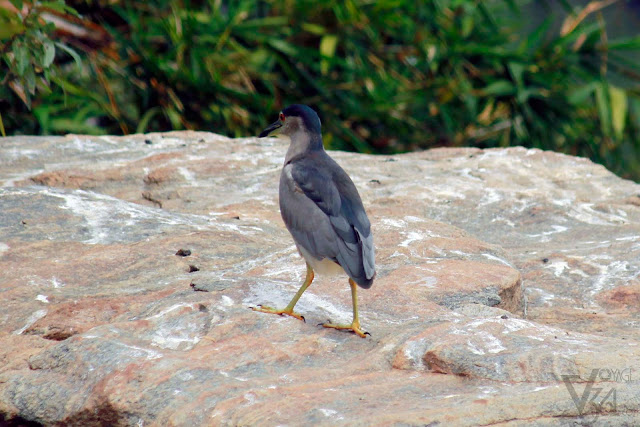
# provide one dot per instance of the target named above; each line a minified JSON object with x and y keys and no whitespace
{"x":281,"y":117}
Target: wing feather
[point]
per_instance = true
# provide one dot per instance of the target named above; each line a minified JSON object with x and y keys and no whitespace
{"x":323,"y":211}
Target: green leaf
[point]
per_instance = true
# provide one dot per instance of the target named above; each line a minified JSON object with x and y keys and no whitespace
{"x":619,"y":108}
{"x":71,"y":52}
{"x":146,"y":118}
{"x":4,"y":134}
{"x":71,"y":126}
{"x":259,"y":57}
{"x":603,"y":108}
{"x":270,"y":21}
{"x":314,"y":28}
{"x":174,"y":118}
{"x":30,"y":78}
{"x":467,"y":25}
{"x":524,"y":95}
{"x":9,"y":29}
{"x":49,"y":53}
{"x":499,"y":88}
{"x":17,"y":4}
{"x":581,"y":94}
{"x":328,"y":46}
{"x":71,"y":11}
{"x":635,"y":110}
{"x":630,"y":43}
{"x":584,"y":30}
{"x":284,"y":47}
{"x":516,"y":70}
{"x":536,"y":38}
{"x":58,"y":6}
{"x":21,"y":55}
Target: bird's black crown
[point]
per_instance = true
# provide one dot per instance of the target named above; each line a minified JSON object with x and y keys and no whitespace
{"x":308,"y":116}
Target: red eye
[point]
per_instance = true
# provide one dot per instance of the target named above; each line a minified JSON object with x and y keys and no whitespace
{"x":281,"y":117}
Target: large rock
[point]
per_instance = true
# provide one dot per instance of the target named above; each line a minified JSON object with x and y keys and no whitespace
{"x":507,"y":289}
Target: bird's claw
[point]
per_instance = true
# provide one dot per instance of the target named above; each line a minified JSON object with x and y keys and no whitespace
{"x":283,"y":312}
{"x":353,"y":327}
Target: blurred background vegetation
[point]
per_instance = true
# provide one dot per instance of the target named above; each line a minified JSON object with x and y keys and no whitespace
{"x":385,"y":76}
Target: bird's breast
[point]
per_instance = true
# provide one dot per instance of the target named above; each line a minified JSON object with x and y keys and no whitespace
{"x":286,"y":180}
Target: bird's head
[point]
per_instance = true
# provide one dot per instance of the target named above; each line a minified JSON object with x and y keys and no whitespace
{"x":293,"y":119}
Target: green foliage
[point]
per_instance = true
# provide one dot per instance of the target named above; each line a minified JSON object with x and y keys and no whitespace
{"x":27,"y":50}
{"x":386,"y":76}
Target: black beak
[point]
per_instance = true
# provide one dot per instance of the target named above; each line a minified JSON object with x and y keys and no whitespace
{"x":273,"y":126}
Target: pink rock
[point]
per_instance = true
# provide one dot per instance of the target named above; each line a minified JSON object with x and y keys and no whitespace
{"x":102,"y":323}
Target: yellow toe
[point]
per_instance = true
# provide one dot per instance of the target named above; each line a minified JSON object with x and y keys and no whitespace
{"x":283,"y":312}
{"x":353,"y":327}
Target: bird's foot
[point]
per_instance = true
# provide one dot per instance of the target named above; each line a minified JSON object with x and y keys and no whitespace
{"x":283,"y":312}
{"x":353,"y":327}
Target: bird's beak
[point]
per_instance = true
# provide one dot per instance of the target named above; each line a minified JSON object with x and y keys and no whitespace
{"x":272,"y":127}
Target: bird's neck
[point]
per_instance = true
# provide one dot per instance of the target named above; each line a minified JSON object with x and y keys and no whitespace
{"x":302,"y":143}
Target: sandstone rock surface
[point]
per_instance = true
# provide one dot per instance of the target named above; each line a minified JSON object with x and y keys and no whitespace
{"x":507,"y":290}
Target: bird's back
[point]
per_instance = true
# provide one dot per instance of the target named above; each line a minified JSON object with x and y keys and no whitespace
{"x":322,"y":209}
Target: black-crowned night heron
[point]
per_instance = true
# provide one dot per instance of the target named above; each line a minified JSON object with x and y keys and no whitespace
{"x":322,"y":210}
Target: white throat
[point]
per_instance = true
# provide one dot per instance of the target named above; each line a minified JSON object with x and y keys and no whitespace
{"x":299,"y":144}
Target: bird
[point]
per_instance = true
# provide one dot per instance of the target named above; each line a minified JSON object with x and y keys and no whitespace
{"x":322,"y":209}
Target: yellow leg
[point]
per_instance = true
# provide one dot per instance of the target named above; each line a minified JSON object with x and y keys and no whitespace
{"x":355,"y":325}
{"x":288,"y":310}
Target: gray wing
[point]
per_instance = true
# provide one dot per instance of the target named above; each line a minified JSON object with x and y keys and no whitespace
{"x":323,"y":211}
